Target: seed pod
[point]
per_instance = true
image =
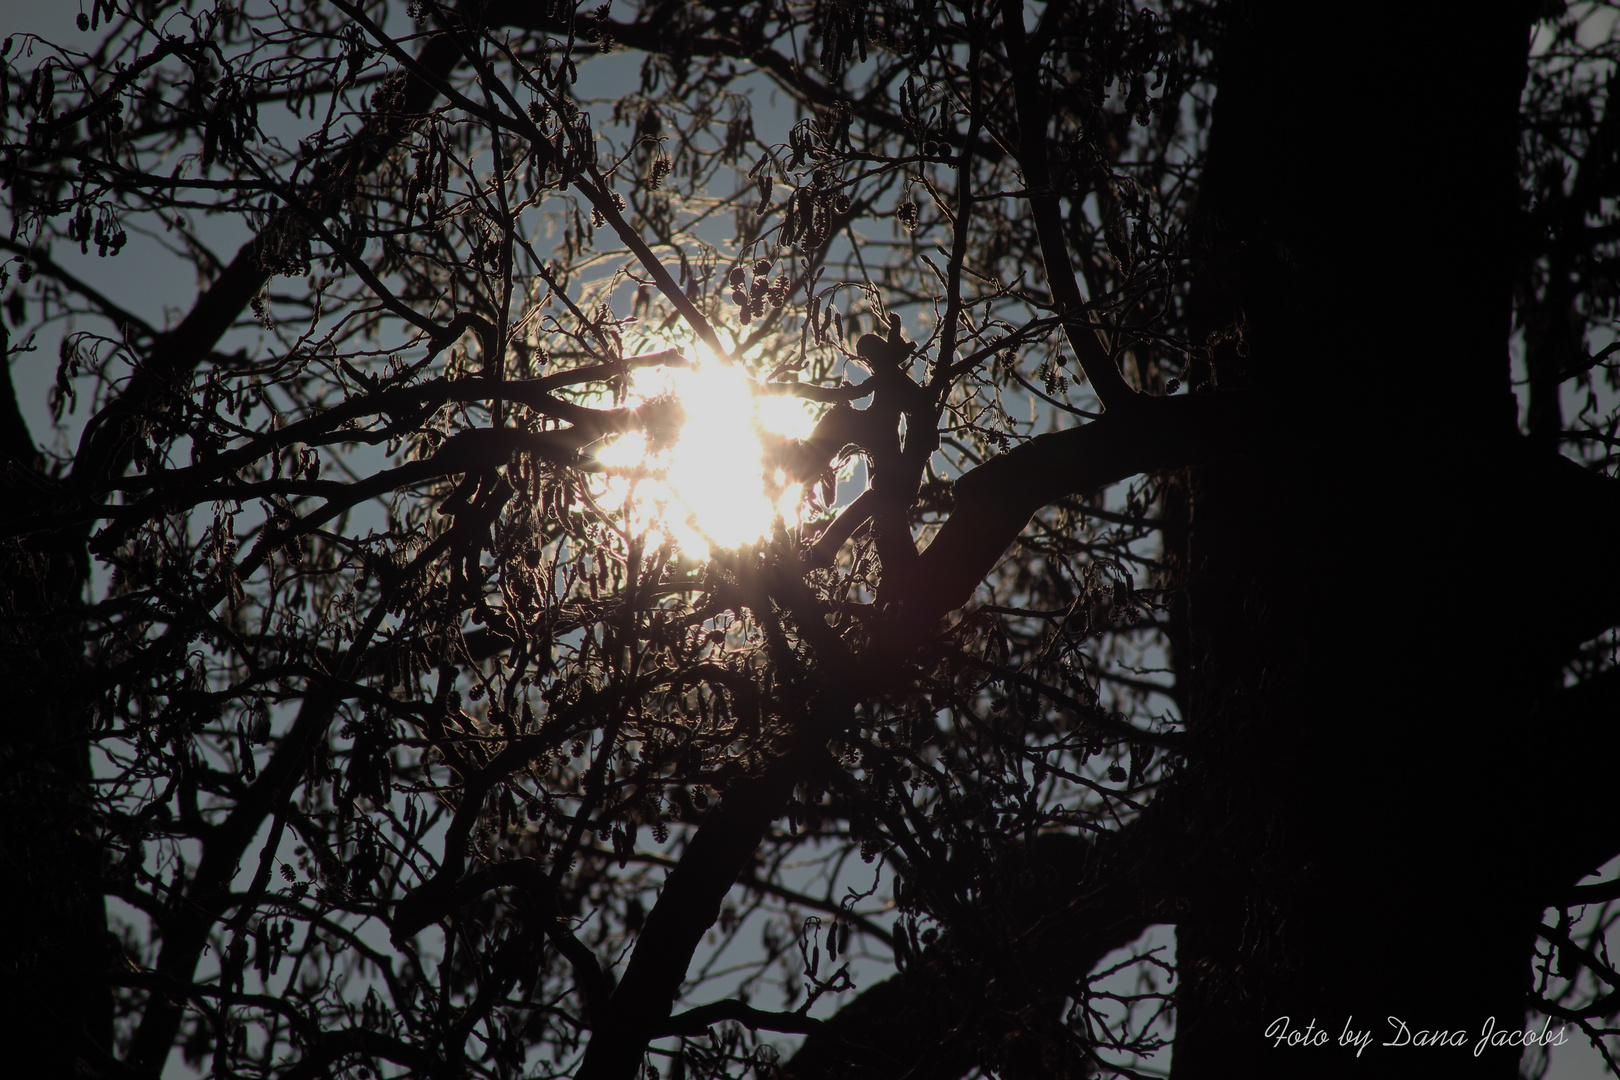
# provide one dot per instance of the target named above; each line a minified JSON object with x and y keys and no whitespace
{"x":790,"y":218}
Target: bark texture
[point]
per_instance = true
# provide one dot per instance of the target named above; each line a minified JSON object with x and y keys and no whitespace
{"x":1364,"y":629}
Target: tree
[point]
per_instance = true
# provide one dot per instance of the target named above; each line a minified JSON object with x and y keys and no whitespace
{"x":417,"y":669}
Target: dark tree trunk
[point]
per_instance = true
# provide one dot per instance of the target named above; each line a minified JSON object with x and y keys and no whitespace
{"x":1366,"y":636}
{"x":54,"y":997}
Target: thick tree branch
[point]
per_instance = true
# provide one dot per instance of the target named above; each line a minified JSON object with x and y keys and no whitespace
{"x":333,"y":1046}
{"x":698,"y":1021}
{"x":1047,"y":215}
{"x":186,"y":933}
{"x":996,"y":500}
{"x":439,"y":897}
{"x":1032,"y":946}
{"x":690,"y":902}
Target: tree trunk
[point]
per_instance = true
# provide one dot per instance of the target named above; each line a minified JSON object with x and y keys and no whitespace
{"x":1362,"y":630}
{"x":54,"y":996}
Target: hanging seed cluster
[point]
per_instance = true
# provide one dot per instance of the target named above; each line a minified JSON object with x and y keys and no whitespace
{"x":752,"y":296}
{"x":99,"y":228}
{"x":808,"y":216}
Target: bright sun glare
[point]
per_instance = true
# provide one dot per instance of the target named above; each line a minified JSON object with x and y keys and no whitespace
{"x":712,"y":487}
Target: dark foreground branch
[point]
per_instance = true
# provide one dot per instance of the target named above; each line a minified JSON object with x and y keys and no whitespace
{"x":996,"y":500}
{"x":979,"y":994}
{"x":690,"y":902}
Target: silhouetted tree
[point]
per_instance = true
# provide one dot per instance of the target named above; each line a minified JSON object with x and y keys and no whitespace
{"x":388,"y":695}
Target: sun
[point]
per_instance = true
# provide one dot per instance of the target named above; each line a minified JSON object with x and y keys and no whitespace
{"x":713,"y":486}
